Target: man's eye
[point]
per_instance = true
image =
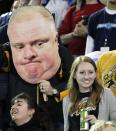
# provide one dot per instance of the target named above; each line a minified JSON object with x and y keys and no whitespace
{"x":39,"y":43}
{"x":18,"y":46}
{"x":19,"y":105}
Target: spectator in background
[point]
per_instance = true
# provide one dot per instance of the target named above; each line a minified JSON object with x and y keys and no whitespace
{"x":27,"y":116}
{"x":35,"y":2}
{"x":5,"y":6}
{"x":23,"y":2}
{"x":74,"y":29}
{"x":41,"y":66}
{"x":4,"y":19}
{"x":38,"y":2}
{"x":106,"y":66}
{"x":101,"y":125}
{"x":58,"y":8}
{"x":71,"y":2}
{"x":3,"y":27}
{"x":102,"y":29}
{"x":85,"y":93}
{"x":15,"y":5}
{"x":94,"y":55}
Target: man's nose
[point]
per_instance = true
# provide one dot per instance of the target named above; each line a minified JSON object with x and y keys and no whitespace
{"x":29,"y":53}
{"x":13,"y":107}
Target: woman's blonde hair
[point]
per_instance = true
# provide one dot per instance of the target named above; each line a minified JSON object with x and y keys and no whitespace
{"x":100,"y":125}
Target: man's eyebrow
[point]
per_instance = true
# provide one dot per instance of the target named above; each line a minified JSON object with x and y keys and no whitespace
{"x":16,"y":43}
{"x":40,"y":40}
{"x":32,"y":42}
{"x":18,"y":101}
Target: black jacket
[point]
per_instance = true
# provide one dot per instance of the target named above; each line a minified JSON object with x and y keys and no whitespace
{"x":32,"y":125}
{"x":17,"y":85}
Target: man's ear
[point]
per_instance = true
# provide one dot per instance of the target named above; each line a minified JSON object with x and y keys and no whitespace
{"x":56,"y":39}
{"x":32,"y":111}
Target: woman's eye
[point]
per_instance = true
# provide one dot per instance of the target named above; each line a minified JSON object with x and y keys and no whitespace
{"x":91,"y":72}
{"x":81,"y":72}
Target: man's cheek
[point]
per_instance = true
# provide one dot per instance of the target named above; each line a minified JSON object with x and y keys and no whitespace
{"x":48,"y":56}
{"x":17,"y":62}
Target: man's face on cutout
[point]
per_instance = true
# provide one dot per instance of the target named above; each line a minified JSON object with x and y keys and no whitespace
{"x":34,"y":49}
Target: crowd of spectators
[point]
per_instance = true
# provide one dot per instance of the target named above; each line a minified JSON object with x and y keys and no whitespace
{"x":61,"y":54}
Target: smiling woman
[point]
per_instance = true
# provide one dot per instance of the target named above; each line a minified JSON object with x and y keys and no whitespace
{"x":86,"y":94}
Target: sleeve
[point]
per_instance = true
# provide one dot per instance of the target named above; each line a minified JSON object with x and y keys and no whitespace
{"x":89,"y":44}
{"x":92,"y":25}
{"x":112,"y":102}
{"x":65,"y":112}
{"x":107,"y":106}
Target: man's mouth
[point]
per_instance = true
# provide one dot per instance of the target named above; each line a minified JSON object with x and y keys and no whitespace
{"x":15,"y":111}
{"x":31,"y":62}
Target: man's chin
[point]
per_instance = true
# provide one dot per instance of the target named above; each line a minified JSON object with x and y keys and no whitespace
{"x":34,"y":78}
{"x":31,"y":81}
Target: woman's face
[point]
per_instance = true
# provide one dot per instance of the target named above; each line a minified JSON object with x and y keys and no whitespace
{"x":20,"y":113}
{"x":85,"y":76}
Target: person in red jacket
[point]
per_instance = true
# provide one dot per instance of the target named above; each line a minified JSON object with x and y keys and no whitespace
{"x":73,"y":29}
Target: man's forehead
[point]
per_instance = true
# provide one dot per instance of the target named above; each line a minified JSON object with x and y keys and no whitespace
{"x":34,"y":27}
{"x":19,"y":100}
{"x":27,"y":17}
{"x":35,"y":20}
{"x":31,"y":11}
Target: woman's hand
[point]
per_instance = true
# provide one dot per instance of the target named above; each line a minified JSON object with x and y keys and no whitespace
{"x":91,"y":118}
